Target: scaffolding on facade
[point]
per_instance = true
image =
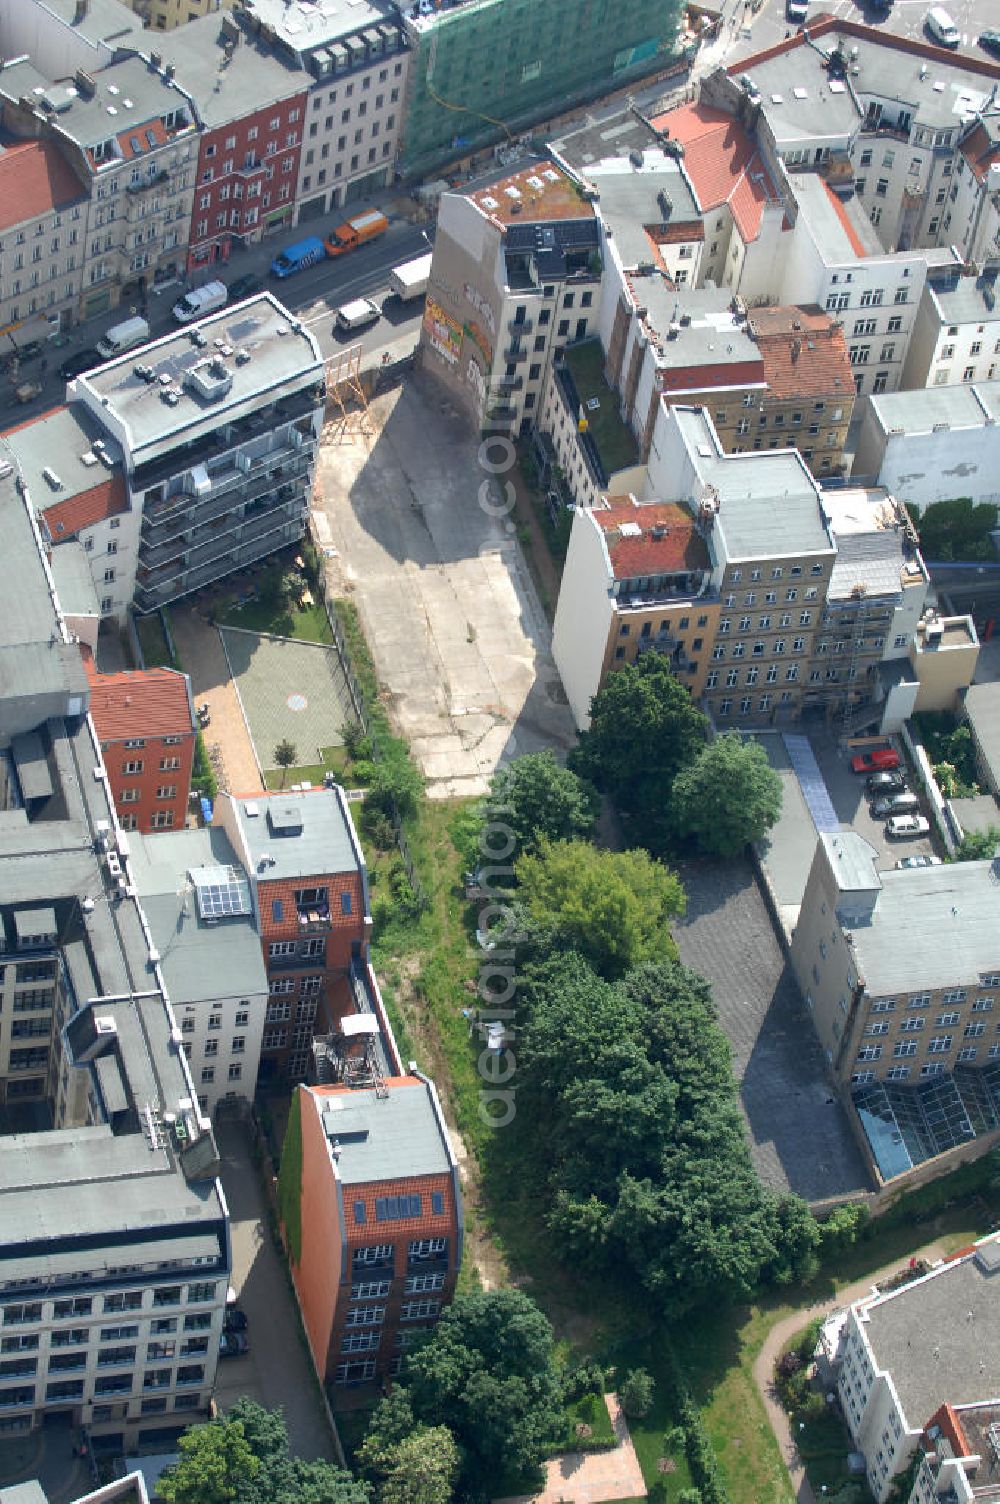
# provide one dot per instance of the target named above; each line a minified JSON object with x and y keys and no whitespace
{"x":346,"y":399}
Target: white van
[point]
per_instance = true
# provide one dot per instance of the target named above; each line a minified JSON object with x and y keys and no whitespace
{"x":357,"y":314}
{"x":941,"y":27}
{"x":200,"y":301}
{"x":122,"y":337}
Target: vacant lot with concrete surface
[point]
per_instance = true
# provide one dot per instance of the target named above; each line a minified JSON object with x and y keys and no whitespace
{"x":459,"y":637}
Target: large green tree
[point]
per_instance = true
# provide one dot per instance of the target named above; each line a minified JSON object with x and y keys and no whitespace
{"x":628,"y":1121}
{"x":644,"y":728}
{"x":728,"y":796}
{"x":244,"y":1456}
{"x":422,"y":1469}
{"x":537,"y":799}
{"x":215,"y":1464}
{"x":956,"y":529}
{"x":613,"y":907}
{"x":487,"y":1374}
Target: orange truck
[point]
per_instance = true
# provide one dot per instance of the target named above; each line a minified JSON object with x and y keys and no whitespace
{"x":355,"y":231}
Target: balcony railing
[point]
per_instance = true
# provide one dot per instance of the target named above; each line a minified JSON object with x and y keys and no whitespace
{"x":516,"y":353}
{"x":314,"y":921}
{"x":525,"y":326}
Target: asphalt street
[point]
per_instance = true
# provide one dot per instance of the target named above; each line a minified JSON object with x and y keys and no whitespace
{"x":314,"y":295}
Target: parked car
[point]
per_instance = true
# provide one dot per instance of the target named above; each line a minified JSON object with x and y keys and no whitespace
{"x":990,"y":39}
{"x":235,"y":1319}
{"x":895,"y":804}
{"x":941,"y":27}
{"x":233,"y":1345}
{"x":920,"y":860}
{"x":244,"y":287}
{"x":75,"y":365}
{"x":885,"y":783}
{"x":901,"y":826}
{"x":880,"y":759}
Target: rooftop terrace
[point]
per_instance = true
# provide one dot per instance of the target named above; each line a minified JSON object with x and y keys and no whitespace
{"x":613,"y":440}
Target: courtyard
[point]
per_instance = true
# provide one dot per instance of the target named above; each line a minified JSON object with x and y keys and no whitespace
{"x":456,"y":630}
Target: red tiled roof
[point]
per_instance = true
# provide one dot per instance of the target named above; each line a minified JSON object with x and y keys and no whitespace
{"x":819,"y":366}
{"x":148,"y":702}
{"x":677,"y":546}
{"x":678,"y":233}
{"x":979,"y":151}
{"x":64,"y":519}
{"x":723,"y":163}
{"x":708,"y":375}
{"x":35,"y":178}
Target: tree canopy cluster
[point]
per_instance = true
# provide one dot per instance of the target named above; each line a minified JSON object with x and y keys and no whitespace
{"x":956,"y":529}
{"x":476,"y":1404}
{"x":629,"y":1126}
{"x":646,"y":749}
{"x":244,"y":1456}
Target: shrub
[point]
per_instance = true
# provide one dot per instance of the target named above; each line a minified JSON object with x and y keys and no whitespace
{"x":586,"y":1378}
{"x":636,"y":1393}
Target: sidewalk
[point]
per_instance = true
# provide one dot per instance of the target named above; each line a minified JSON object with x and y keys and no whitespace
{"x":783,"y":1331}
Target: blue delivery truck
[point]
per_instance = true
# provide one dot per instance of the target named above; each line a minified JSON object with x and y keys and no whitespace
{"x":298,"y":256}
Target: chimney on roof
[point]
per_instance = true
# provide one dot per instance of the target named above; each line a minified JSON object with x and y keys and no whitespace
{"x":796,"y":350}
{"x":80,"y":14}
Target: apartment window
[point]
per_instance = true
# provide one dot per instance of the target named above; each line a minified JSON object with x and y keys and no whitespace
{"x":904,"y":1048}
{"x":418,"y":1310}
{"x":955,"y":995}
{"x":128,"y":1301}
{"x":946,"y":1020}
{"x":940,"y":1044}
{"x":870,"y":1052}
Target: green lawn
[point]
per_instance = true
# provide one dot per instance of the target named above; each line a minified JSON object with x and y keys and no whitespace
{"x":590,"y":1410}
{"x":615,"y":441}
{"x":306,"y":623}
{"x":335,"y":760}
{"x":155,"y":650}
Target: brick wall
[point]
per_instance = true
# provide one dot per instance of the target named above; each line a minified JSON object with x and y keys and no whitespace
{"x":136,"y":793}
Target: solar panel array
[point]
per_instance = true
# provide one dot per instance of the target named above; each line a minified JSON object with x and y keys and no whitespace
{"x":221,"y":892}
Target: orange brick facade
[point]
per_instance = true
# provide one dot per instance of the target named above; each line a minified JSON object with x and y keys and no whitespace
{"x":150,"y":779}
{"x":309,"y":992}
{"x":358,"y":1311}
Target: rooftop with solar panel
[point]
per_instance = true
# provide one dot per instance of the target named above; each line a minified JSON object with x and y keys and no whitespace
{"x":199,"y":378}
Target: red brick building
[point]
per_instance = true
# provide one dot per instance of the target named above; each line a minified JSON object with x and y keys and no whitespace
{"x":379,"y":1245}
{"x":145,"y":723}
{"x":310,"y":887}
{"x":247,"y":171}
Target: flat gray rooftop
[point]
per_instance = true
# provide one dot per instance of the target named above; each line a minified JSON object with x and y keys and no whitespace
{"x":826,"y":225}
{"x":711,"y":337}
{"x":384,"y":1138}
{"x":937,"y":1337}
{"x":932,"y":927}
{"x":74,"y":581}
{"x":966,"y":300}
{"x":982,"y":708}
{"x":632,"y":197}
{"x":202,"y":960}
{"x":220,"y":87}
{"x":62,"y":441}
{"x":301,"y":834}
{"x":616,"y":135}
{"x":249,"y":352}
{"x":128,"y":95}
{"x":304,"y":25}
{"x":942,"y":97}
{"x":918,"y":411}
{"x":768,"y":502}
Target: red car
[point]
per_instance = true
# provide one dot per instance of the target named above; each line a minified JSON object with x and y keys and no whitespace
{"x":881,"y":759}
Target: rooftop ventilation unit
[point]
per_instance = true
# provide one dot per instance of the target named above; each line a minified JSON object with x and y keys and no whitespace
{"x":210,"y":379}
{"x":105,"y":1025}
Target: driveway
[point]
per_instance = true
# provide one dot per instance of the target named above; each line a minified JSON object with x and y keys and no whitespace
{"x":799,"y":1136}
{"x":200,"y":650}
{"x":592,"y":1477}
{"x":278,"y":1371}
{"x":449,"y":610}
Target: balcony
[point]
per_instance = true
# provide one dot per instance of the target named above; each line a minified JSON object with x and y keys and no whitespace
{"x":659,"y":642}
{"x":148,"y":184}
{"x":504,"y":385}
{"x":515,"y":353}
{"x":314,"y":921}
{"x":525,"y":326}
{"x":892,"y":132}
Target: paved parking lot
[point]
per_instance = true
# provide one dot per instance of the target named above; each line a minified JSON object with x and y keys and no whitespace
{"x":800,"y":1139}
{"x":457,"y":632}
{"x":787,"y":852}
{"x":906,"y":19}
{"x":277,"y":1371}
